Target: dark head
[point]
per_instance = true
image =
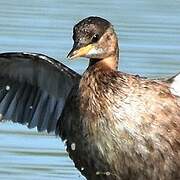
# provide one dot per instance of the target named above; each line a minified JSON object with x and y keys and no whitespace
{"x":94,"y":38}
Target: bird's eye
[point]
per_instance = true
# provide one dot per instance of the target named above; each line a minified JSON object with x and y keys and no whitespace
{"x":95,"y":38}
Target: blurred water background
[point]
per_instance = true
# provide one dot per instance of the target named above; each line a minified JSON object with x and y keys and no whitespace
{"x":149,"y":33}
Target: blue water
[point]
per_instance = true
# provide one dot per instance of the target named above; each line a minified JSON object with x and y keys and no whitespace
{"x":149,"y":34}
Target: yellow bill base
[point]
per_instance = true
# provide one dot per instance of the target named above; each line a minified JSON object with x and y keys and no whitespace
{"x":82,"y":51}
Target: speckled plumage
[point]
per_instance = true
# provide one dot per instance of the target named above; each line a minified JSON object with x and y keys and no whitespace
{"x":127,"y":126}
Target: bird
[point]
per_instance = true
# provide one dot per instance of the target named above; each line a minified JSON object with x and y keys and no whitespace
{"x":115,"y":125}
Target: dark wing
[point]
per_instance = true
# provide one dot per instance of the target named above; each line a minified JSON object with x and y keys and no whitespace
{"x":33,"y":89}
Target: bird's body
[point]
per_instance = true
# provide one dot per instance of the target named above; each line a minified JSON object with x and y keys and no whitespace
{"x":135,"y":140}
{"x":116,"y":126}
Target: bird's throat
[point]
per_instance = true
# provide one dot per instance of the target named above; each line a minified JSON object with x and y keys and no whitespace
{"x":109,"y":62}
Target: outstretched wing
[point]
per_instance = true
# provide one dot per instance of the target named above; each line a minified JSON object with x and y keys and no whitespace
{"x":33,"y":89}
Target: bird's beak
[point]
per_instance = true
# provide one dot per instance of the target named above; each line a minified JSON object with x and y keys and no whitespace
{"x":79,"y":52}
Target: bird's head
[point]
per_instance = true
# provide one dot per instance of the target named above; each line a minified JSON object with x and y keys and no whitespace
{"x":94,"y":38}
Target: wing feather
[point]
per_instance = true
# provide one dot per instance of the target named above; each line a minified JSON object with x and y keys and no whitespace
{"x":34,"y":89}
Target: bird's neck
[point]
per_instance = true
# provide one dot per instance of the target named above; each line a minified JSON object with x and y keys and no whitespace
{"x":108,"y":62}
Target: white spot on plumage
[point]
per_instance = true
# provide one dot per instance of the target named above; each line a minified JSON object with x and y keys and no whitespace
{"x":8,"y":88}
{"x":82,"y":168}
{"x":108,"y":173}
{"x":175,"y":86}
{"x":1,"y":116}
{"x":73,"y":146}
{"x":103,"y":173}
{"x":98,"y":173}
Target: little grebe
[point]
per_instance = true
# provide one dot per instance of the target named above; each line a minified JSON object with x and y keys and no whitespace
{"x":116,"y":126}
